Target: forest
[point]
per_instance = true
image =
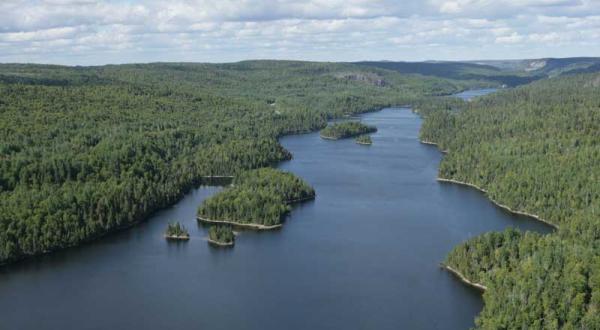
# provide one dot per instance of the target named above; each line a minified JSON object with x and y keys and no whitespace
{"x":221,"y":235}
{"x":533,"y":149}
{"x":259,"y":197}
{"x":346,"y":129}
{"x":85,"y":151}
{"x":364,"y":139}
{"x":176,"y":231}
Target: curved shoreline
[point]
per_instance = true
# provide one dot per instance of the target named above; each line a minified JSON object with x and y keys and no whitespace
{"x":329,"y":137}
{"x":428,"y":142}
{"x":463,"y":278}
{"x":293,"y":201}
{"x":238,"y":224}
{"x":219,"y":243}
{"x":177,"y":238}
{"x":433,"y":144}
{"x":334,"y":138}
{"x":345,"y":137}
{"x":534,"y":216}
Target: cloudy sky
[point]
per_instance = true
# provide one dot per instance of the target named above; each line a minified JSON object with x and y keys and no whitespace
{"x":123,"y":31}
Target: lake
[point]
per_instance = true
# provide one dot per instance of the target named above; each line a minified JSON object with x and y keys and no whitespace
{"x":364,"y":255}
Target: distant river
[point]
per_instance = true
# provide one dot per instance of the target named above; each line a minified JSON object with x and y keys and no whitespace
{"x":363,"y":255}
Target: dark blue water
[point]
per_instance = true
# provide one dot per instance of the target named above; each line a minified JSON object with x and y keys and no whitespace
{"x":363,"y":255}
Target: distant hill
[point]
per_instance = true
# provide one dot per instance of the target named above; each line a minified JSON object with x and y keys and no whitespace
{"x":549,"y":67}
{"x":457,"y":70}
{"x":506,"y":72}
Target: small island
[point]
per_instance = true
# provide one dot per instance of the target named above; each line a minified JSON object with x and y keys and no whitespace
{"x":259,"y":199}
{"x":364,"y":140}
{"x":176,"y":231}
{"x":221,"y":235}
{"x":346,"y":130}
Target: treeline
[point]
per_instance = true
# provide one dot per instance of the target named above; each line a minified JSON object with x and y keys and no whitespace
{"x":534,"y":149}
{"x":346,"y":130}
{"x":259,"y":197}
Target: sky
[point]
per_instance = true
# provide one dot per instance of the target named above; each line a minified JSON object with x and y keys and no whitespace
{"x":91,"y":32}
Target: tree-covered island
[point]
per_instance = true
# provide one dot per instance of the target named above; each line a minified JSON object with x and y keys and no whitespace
{"x":258,"y":199}
{"x":364,"y":139}
{"x":221,"y":235}
{"x":176,"y":231}
{"x":346,"y":130}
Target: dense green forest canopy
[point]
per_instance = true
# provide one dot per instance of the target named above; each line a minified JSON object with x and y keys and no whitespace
{"x":221,"y":234}
{"x":260,"y":197}
{"x":290,"y":187}
{"x":534,"y":149}
{"x":88,"y":150}
{"x":346,"y":129}
{"x":176,"y":230}
{"x":364,"y":139}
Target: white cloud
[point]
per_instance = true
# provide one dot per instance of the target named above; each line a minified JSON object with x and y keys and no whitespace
{"x":91,"y":32}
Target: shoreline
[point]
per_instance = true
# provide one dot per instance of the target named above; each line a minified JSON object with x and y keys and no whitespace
{"x":433,"y":144}
{"x":502,"y":206}
{"x":428,"y":142}
{"x":219,"y":243}
{"x":177,"y":238}
{"x":238,"y":224}
{"x":329,"y":137}
{"x":345,"y":137}
{"x":463,"y":278}
{"x":293,"y":201}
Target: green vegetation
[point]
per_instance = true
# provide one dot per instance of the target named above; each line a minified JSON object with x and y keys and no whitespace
{"x":259,"y":198}
{"x":346,"y":130}
{"x":496,"y":73}
{"x":290,"y":187}
{"x":487,"y":75}
{"x":221,"y":235}
{"x":88,"y":150}
{"x":364,"y":139}
{"x":177,"y":231}
{"x":534,"y":149}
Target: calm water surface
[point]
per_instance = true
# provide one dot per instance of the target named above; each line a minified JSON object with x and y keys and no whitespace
{"x":363,"y":255}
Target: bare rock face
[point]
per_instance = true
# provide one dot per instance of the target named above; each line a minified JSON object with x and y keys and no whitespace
{"x":367,"y":77}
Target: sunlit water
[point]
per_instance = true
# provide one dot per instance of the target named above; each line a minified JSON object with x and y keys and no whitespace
{"x":363,"y":255}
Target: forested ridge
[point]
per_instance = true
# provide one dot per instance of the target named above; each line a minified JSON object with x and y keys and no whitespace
{"x":534,"y":149}
{"x":87,"y":150}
